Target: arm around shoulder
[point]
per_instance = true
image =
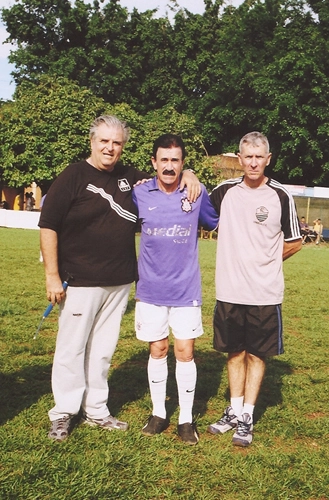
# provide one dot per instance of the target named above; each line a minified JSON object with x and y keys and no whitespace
{"x":208,"y":217}
{"x":192,"y":183}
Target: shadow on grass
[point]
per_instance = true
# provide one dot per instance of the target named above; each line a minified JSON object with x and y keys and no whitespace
{"x":129,"y":383}
{"x":271,"y":390}
{"x":131,"y":306}
{"x":22,"y":389}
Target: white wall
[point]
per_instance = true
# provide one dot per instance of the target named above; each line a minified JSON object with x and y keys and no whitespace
{"x":19,"y":219}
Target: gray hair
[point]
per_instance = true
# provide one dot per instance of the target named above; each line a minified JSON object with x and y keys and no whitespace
{"x":254,"y":138}
{"x":110,"y":121}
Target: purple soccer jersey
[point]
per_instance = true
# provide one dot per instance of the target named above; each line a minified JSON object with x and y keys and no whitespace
{"x":168,"y":267}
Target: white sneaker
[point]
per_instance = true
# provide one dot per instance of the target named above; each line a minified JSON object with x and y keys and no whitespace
{"x":109,"y":423}
{"x":227,"y":422}
{"x":243,"y":432}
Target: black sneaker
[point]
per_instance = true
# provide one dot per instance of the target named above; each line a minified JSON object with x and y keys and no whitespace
{"x":155,"y":425}
{"x":243,"y":432}
{"x":188,"y":433}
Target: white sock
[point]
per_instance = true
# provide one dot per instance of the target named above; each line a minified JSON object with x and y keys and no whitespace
{"x":157,"y":370}
{"x":237,"y":405}
{"x":186,"y":381}
{"x":247,"y":408}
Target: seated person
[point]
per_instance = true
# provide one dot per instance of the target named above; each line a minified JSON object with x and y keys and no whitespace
{"x":317,"y":228}
{"x":304,"y":228}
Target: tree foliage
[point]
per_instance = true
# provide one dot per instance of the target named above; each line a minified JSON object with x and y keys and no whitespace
{"x":263,"y":65}
{"x":44,"y":129}
{"x":47,"y":126}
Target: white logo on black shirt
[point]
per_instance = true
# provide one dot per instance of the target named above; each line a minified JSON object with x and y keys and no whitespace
{"x":124,"y":185}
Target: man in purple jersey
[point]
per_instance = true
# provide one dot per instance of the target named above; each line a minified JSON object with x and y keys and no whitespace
{"x":169,"y":288}
{"x":259,"y":229}
{"x":88,"y":225}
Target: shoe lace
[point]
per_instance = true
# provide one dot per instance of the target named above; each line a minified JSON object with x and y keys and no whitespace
{"x":226,"y":417}
{"x":243,"y":428}
{"x":61,"y":423}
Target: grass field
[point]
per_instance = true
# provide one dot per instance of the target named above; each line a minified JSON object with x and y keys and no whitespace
{"x":287,"y":460}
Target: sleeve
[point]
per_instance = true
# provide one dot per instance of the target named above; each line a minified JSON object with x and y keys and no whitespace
{"x":289,"y":219}
{"x":217,"y":195}
{"x":139,"y":175}
{"x":58,"y":201}
{"x":134,"y":197}
{"x":208,"y":217}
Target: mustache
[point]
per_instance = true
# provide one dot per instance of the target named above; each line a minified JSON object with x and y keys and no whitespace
{"x":168,"y":172}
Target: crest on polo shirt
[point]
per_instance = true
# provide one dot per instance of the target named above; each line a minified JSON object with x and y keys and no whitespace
{"x":186,"y":205}
{"x":124,"y":185}
{"x":261,"y":214}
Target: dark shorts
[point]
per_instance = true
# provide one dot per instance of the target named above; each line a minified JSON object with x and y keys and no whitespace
{"x":255,"y":329}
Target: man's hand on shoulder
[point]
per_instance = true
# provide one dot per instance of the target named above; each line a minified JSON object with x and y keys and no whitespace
{"x":142,"y":181}
{"x":192,"y":183}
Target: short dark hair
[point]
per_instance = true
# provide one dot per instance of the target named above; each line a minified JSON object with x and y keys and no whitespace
{"x":168,"y":141}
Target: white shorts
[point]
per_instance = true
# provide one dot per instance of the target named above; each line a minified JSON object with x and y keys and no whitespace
{"x":152,"y":322}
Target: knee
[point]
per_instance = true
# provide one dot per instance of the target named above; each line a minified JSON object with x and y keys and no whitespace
{"x":237,"y":357}
{"x":184,"y":350}
{"x":158,"y":350}
{"x":184,"y":357}
{"x":255,"y":360}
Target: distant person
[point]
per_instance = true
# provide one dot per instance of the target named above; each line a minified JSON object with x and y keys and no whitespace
{"x":169,"y":287}
{"x":4,"y":205}
{"x":29,"y":201}
{"x":317,"y":228}
{"x":88,"y":222}
{"x":304,"y":226}
{"x":304,"y":229}
{"x":258,"y":229}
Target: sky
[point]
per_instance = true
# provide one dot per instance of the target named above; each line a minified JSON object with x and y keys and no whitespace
{"x":6,"y":85}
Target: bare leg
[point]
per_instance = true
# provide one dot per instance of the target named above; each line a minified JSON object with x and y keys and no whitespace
{"x":245,"y":372}
{"x":254,"y":377}
{"x":236,"y":367}
{"x":255,"y":368}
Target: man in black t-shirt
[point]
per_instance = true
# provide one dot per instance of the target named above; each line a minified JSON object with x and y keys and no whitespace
{"x":88,"y":231}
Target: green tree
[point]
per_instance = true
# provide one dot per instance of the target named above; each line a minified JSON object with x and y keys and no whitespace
{"x":145,"y":129}
{"x":293,"y":102}
{"x":230,"y":106}
{"x":121,"y":57}
{"x":270,"y":73}
{"x":44,"y":129}
{"x":263,"y":65}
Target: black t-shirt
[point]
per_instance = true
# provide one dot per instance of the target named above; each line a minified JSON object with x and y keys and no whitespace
{"x":95,"y":218}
